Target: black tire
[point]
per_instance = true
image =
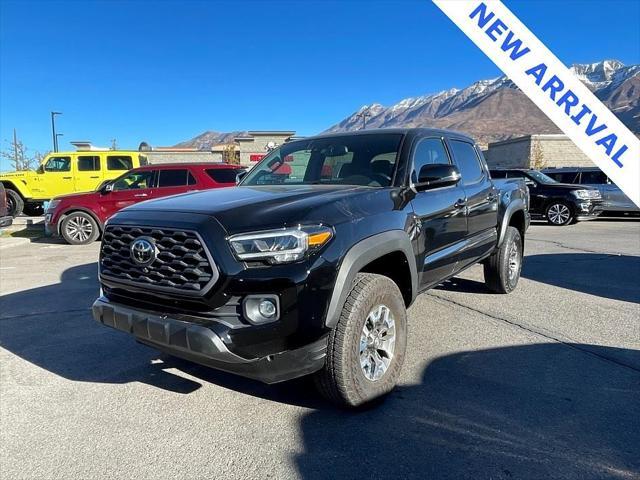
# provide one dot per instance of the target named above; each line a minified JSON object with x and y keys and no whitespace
{"x":33,"y":209}
{"x":559,"y":214}
{"x":343,"y":380}
{"x":79,"y":228}
{"x":15,"y":203}
{"x":500,"y":274}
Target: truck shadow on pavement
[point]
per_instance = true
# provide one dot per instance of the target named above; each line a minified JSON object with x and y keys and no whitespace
{"x":603,"y":275}
{"x":531,"y":411}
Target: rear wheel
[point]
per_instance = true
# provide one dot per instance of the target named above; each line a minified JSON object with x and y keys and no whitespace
{"x":559,"y":213}
{"x":502,"y":269}
{"x":15,"y":203}
{"x":366,"y":348}
{"x":79,"y":228}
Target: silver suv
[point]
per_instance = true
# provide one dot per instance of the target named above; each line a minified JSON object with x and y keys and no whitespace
{"x":614,"y":199}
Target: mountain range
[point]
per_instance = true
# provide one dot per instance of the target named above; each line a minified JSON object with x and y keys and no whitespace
{"x":488,"y":110}
{"x":493,"y":110}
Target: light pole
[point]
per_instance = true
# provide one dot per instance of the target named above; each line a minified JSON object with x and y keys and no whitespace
{"x":58,"y":135}
{"x":53,"y":130}
{"x":364,"y":116}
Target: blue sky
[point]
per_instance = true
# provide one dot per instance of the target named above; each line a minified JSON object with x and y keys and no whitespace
{"x":165,"y":72}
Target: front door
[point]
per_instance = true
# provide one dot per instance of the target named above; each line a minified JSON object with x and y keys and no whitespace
{"x":133,"y":187}
{"x":88,"y":173}
{"x":440,"y":217}
{"x":56,"y":177}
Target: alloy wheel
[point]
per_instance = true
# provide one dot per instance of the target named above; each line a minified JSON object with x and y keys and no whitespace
{"x":514,"y":262}
{"x":79,"y":229}
{"x":558,"y":214}
{"x":377,"y":342}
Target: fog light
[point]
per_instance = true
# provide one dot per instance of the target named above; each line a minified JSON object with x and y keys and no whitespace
{"x":267,"y":308}
{"x":261,"y":308}
{"x":585,"y":206}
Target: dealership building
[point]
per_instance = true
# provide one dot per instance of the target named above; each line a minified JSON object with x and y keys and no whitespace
{"x":248,"y":149}
{"x":536,"y":151}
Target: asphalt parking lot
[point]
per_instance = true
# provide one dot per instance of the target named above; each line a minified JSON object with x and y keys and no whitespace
{"x":542,"y":383}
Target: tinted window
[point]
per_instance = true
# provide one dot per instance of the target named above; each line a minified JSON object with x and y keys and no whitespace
{"x":594,"y":178}
{"x":88,"y":164}
{"x":224,"y":175}
{"x":119,"y":162}
{"x":58,"y":164}
{"x":134,"y":180}
{"x":564,"y":177}
{"x":498,"y":174}
{"x":428,"y":152}
{"x":143,"y":160}
{"x":173,"y":178}
{"x":341,"y":160}
{"x":467,"y":160}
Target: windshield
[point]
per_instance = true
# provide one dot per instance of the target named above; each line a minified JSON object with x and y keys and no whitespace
{"x":367,"y":160}
{"x":541,"y":177}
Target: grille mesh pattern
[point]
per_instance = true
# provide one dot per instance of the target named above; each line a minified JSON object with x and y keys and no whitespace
{"x":181,"y":262}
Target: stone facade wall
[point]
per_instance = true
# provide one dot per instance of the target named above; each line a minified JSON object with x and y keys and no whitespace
{"x":556,"y":151}
{"x":257,"y":146}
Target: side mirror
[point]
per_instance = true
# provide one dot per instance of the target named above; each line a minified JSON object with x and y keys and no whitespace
{"x":530,"y":183}
{"x":241,"y":175}
{"x":40,"y":168}
{"x":106,"y":188}
{"x":437,"y":175}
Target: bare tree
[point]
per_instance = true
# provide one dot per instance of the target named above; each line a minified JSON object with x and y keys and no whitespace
{"x":537,"y":156}
{"x":229,"y":154}
{"x":19,"y":155}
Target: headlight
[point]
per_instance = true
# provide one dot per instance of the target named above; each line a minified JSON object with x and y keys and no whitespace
{"x":586,"y":194}
{"x":53,"y":204}
{"x":280,"y":246}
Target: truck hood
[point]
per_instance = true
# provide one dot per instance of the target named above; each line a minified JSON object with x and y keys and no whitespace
{"x":246,"y":208}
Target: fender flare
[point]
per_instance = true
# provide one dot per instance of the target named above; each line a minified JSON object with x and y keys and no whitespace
{"x":516,"y":205}
{"x":19,"y":189}
{"x":363,"y":253}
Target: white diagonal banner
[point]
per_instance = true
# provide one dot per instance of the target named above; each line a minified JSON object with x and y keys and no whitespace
{"x":552,"y":87}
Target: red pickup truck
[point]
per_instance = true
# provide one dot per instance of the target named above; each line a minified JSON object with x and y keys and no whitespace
{"x":79,"y":218}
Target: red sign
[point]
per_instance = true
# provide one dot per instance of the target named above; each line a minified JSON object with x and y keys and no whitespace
{"x":256,"y":157}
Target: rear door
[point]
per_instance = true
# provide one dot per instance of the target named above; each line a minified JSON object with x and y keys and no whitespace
{"x":174,"y":181}
{"x":133,"y":187}
{"x":441,"y":220}
{"x":88,"y":174}
{"x":481,"y":202}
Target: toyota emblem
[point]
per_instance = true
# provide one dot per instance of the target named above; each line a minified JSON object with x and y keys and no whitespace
{"x":143,"y":251}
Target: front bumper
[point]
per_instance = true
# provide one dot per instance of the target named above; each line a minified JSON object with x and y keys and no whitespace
{"x":588,"y":210}
{"x":202,"y":345}
{"x":6,"y":221}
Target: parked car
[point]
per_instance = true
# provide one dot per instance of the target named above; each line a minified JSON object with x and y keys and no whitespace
{"x":80,"y":218}
{"x":62,"y":173}
{"x":5,"y":219}
{"x":311,"y":271}
{"x":614,"y":201}
{"x":559,"y":203}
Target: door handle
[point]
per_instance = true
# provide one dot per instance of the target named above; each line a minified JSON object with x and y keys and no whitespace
{"x":461,"y":202}
{"x":67,"y":178}
{"x":94,"y":177}
{"x":141,"y":195}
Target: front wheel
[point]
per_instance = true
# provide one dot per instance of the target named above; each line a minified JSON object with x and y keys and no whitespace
{"x":559,"y":213}
{"x":79,"y":228}
{"x":366,"y":348}
{"x":502,"y":269}
{"x":15,"y":203}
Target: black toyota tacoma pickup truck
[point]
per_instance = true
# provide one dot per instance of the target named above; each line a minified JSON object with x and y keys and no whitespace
{"x":309,"y":264}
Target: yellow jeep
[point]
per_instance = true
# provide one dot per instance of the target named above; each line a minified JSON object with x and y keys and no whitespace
{"x":65,"y":172}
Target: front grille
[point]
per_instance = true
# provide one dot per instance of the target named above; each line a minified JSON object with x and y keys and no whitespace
{"x":182,"y":263}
